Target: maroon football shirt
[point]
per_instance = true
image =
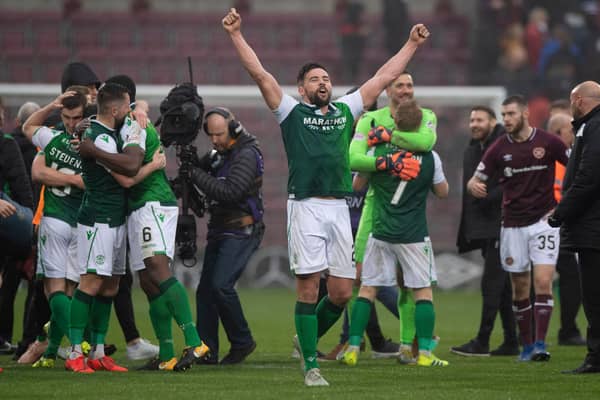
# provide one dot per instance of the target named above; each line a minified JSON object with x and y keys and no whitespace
{"x":526,"y":171}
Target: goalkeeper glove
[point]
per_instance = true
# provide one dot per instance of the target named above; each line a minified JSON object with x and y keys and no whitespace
{"x":379,"y":134}
{"x":400,"y":164}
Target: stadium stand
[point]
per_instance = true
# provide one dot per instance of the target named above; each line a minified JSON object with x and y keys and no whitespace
{"x":155,"y":39}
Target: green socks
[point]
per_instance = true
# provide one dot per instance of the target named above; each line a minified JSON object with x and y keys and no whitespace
{"x":178,"y":304}
{"x":99,"y":318}
{"x":327,"y":315}
{"x":306,"y":327}
{"x":161,"y":322}
{"x":359,"y":320}
{"x":80,"y":311}
{"x":406,"y":309}
{"x":60,"y":312}
{"x":424,"y":321}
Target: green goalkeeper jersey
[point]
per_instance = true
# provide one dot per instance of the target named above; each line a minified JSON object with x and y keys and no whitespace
{"x":421,"y":141}
{"x":317,"y":144}
{"x":60,"y":202}
{"x":156,"y":186}
{"x":104,"y":200}
{"x":399,"y":206}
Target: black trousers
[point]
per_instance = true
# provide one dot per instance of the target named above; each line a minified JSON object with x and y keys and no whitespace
{"x":8,"y":292}
{"x":124,"y":307}
{"x":570,"y":294}
{"x":496,"y":291}
{"x":589,"y":264}
{"x":37,"y":313}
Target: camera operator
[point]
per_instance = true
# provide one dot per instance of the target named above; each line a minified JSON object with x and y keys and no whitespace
{"x":230,"y":176}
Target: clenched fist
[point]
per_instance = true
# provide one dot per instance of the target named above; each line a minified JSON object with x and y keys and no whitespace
{"x":232,"y":21}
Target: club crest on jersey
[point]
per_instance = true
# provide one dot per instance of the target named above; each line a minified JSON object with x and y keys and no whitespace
{"x":539,"y":152}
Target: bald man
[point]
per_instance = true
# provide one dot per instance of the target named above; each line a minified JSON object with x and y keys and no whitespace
{"x":578,"y":213}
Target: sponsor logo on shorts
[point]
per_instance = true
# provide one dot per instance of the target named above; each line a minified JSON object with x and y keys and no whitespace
{"x":43,"y":239}
{"x":161,"y":217}
{"x":99,"y":260}
{"x":509,"y":261}
{"x":539,"y":152}
{"x":89,"y":234}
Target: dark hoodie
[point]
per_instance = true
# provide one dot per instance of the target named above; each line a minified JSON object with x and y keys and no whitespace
{"x":78,"y":73}
{"x":232,"y":183}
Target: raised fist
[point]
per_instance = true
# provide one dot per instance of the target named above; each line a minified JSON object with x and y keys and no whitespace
{"x":232,"y":21}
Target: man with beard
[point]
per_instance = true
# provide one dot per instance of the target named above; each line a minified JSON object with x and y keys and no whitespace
{"x":525,"y":157}
{"x":151,"y":225}
{"x":480,"y":229}
{"x":578,"y":213}
{"x":316,"y":133}
{"x":398,"y":238}
{"x":377,"y":127}
{"x":101,"y":229}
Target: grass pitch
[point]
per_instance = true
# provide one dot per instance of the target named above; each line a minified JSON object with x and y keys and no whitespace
{"x":270,"y":372}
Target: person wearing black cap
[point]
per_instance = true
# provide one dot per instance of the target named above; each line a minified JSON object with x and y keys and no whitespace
{"x":78,"y":73}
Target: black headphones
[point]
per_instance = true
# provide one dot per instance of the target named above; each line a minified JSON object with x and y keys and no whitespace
{"x":234,"y":127}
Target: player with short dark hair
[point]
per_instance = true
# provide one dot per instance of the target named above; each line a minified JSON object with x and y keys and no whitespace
{"x":58,"y":167}
{"x":316,"y":134}
{"x":151,"y":223}
{"x":526,"y":158}
{"x":101,"y":229}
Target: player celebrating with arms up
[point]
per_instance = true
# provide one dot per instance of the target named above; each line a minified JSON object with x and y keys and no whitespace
{"x":316,"y":134}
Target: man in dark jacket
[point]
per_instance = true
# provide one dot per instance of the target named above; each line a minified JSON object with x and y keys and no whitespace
{"x":231,"y":178}
{"x":578,"y":213}
{"x":480,"y":229}
{"x":15,"y":183}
